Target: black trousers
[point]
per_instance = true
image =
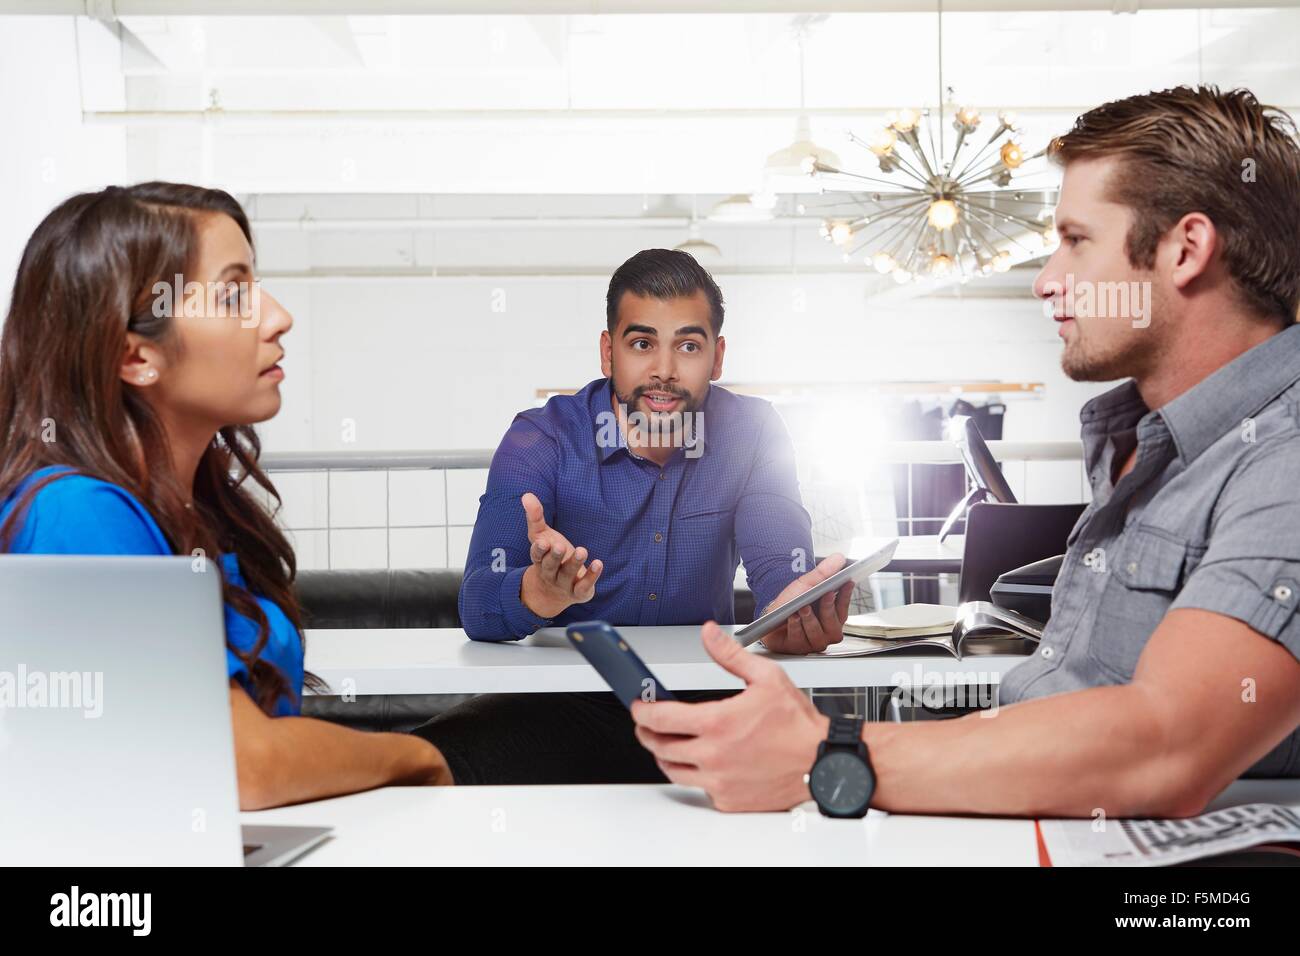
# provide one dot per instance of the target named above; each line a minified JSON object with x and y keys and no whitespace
{"x":545,"y":739}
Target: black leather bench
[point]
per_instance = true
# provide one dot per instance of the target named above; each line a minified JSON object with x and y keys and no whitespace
{"x":387,"y":598}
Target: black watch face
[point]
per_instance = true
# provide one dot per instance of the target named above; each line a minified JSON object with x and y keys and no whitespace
{"x":841,"y":783}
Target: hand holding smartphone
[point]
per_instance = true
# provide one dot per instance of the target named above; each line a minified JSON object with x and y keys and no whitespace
{"x":615,"y":661}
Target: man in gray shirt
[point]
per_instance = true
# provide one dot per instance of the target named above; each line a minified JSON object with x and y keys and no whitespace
{"x":1171,"y":664}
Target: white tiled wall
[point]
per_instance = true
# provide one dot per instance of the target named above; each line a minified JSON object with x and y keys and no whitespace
{"x":420,"y":528}
{"x":377,"y":519}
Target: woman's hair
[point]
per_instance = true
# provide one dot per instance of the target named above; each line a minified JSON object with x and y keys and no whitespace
{"x":86,"y":278}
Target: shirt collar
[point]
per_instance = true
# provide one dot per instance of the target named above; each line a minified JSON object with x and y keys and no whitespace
{"x":1116,"y":409}
{"x":1209,"y":409}
{"x":605,"y":431}
{"x":1233,"y":393}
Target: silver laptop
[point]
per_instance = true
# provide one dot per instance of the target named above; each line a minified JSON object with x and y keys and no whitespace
{"x":115,"y":736}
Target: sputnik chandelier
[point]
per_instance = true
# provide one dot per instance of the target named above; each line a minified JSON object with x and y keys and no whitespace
{"x":943,"y":215}
{"x":939,"y":217}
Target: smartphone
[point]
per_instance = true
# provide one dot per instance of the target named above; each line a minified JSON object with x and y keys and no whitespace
{"x":614,"y":660}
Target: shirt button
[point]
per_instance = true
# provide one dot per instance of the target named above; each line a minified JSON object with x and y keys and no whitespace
{"x":662,"y":476}
{"x":1282,"y":593}
{"x":658,"y":537}
{"x":653,"y":596}
{"x":1132,"y":567}
{"x":1047,"y":653}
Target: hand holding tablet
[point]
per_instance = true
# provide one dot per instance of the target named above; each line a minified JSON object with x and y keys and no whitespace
{"x":787,"y":628}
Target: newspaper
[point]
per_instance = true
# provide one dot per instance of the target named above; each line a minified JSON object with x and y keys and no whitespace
{"x":1166,"y":842}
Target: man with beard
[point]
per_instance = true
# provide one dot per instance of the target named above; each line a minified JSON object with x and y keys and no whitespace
{"x":632,"y":501}
{"x":1171,"y":663}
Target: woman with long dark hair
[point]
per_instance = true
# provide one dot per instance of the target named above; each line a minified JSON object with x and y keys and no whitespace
{"x":135,"y":358}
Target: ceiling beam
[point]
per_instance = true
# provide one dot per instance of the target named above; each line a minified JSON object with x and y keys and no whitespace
{"x":107,"y":9}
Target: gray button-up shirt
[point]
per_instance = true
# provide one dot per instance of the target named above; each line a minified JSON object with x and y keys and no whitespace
{"x":1209,"y":517}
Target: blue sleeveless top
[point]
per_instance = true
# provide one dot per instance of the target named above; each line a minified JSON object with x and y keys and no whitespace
{"x":82,"y":515}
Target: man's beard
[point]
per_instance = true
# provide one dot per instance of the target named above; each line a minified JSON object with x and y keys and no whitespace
{"x":690,"y":403}
{"x":1080,"y":364}
{"x":655,"y":427}
{"x":1128,"y":357}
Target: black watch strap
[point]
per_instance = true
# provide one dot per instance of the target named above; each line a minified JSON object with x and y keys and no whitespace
{"x":845,"y":731}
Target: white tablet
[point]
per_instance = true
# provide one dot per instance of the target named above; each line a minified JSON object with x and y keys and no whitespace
{"x":855,"y":571}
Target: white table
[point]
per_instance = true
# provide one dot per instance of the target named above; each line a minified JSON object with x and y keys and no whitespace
{"x":645,"y":825}
{"x":641,"y":825}
{"x":445,"y":661}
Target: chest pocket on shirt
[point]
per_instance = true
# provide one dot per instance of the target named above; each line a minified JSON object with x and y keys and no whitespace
{"x":1145,"y":574}
{"x":704,"y":529}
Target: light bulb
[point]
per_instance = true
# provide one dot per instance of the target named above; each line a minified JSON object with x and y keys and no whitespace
{"x":841,"y":233}
{"x":943,"y":214}
{"x":902,"y":276}
{"x":941,"y":265}
{"x":808,"y":164}
{"x":883,"y":262}
{"x":1009,"y":119}
{"x":1051,"y":238}
{"x":907,"y":120}
{"x":882,"y":142}
{"x":1002,"y":261}
{"x":967,"y":117}
{"x":824,"y":230}
{"x":1012,"y":156}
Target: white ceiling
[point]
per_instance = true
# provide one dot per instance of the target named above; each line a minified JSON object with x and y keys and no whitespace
{"x":407,"y":144}
{"x":609,"y":104}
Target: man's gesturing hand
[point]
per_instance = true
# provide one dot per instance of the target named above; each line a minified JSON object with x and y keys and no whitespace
{"x":559,"y":575}
{"x":819,"y":625}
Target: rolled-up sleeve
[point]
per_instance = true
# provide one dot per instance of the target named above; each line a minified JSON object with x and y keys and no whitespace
{"x":489,"y":602}
{"x":773,"y":531}
{"x":1251,"y":567}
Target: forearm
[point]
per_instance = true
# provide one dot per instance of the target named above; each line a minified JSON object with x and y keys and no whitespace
{"x":492,"y":607}
{"x":775,"y":551}
{"x":1110,"y":748}
{"x":294,"y":759}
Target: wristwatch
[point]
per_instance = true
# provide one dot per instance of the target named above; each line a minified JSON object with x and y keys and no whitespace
{"x":841,"y":779}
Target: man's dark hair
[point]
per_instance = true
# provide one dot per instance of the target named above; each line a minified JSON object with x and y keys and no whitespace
{"x":663,"y":274}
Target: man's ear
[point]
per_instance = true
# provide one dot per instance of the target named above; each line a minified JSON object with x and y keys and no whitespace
{"x":606,"y":354}
{"x":142,"y":362}
{"x":1194,"y":240}
{"x":718,"y":353}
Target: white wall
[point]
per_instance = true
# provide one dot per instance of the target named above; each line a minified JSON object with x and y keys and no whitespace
{"x":420,"y":363}
{"x":426,"y":363}
{"x":47,"y":153}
